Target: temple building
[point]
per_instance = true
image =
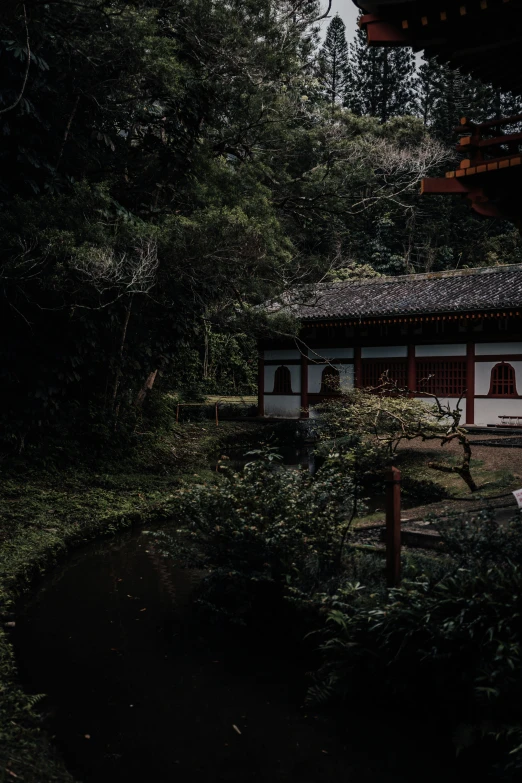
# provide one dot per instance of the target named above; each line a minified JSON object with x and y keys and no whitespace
{"x":481,"y":38}
{"x":455,"y":334}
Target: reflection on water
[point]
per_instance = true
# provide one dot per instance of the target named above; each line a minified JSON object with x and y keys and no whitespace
{"x":137,"y":693}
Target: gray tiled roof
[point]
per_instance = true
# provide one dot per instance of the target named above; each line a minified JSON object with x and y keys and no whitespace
{"x":467,"y":290}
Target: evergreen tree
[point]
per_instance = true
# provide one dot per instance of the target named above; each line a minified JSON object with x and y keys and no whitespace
{"x":382,"y":80}
{"x":334,"y":65}
{"x":446,"y":95}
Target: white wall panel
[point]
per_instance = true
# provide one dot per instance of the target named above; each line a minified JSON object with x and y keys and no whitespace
{"x":483,"y":376}
{"x":484,"y":349}
{"x":282,"y":355}
{"x":452,"y":402}
{"x":295,"y":374}
{"x":384,"y":352}
{"x":330,"y":353}
{"x":487,"y":411}
{"x":440,"y":350}
{"x":288,"y":405}
{"x":347,"y":373}
{"x":315,"y":372}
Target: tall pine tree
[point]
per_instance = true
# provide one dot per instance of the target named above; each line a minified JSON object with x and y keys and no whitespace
{"x":334,"y":63}
{"x":382,"y":80}
{"x":445,"y":95}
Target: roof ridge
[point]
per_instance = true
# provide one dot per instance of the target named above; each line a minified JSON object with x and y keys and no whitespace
{"x":476,"y":270}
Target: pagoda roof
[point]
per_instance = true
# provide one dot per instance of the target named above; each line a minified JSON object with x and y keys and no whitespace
{"x":482,"y":37}
{"x":484,"y":289}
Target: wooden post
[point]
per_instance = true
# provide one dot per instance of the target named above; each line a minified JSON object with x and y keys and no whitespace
{"x":261,"y":385}
{"x":393,"y":527}
{"x":357,"y":367}
{"x":412,"y":378}
{"x":305,"y":413}
{"x":217,"y":420}
{"x":470,"y":383}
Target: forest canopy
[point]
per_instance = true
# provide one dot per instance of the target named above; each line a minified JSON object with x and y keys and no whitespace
{"x":168,"y":167}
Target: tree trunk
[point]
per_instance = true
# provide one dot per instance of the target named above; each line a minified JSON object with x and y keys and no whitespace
{"x":147,"y":386}
{"x":464,"y":472}
{"x":120,"y":354}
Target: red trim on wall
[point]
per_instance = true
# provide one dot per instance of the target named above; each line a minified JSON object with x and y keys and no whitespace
{"x":470,"y":383}
{"x":357,"y":378}
{"x":304,"y":387}
{"x":260,"y":386}
{"x":412,"y":370}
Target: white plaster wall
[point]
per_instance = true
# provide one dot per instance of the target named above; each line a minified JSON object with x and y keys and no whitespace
{"x":452,"y":403}
{"x":483,"y":377}
{"x":315,"y":372}
{"x":288,"y":405}
{"x":483,"y":349}
{"x":282,"y":355}
{"x":295,"y":374}
{"x":488,"y":411}
{"x":384,"y":351}
{"x":440,"y":350}
{"x":330,"y":353}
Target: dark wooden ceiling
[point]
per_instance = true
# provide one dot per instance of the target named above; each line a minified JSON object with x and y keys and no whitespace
{"x":482,"y":38}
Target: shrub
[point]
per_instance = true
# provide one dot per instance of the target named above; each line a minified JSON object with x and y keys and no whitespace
{"x":263,"y":526}
{"x":450,"y":645}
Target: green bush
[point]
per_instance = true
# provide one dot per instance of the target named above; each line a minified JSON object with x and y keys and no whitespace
{"x":448,"y":644}
{"x":263,"y":526}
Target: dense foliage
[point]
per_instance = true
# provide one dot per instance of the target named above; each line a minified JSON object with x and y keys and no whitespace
{"x":264,"y":530}
{"x":447,"y":643}
{"x":168,"y":167}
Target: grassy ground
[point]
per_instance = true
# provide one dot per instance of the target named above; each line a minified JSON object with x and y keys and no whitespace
{"x":46,"y":509}
{"x":497,"y":472}
{"x":494,"y":469}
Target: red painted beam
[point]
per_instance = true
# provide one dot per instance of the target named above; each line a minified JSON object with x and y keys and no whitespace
{"x":357,"y":367}
{"x":382,"y":33}
{"x":305,"y":413}
{"x":412,"y":370}
{"x":439,"y":186}
{"x":393,"y":527}
{"x":261,"y":385}
{"x":470,"y":383}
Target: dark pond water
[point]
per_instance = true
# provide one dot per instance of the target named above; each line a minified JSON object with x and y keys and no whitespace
{"x":136,"y":691}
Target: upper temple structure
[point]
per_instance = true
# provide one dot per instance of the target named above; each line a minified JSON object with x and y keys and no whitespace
{"x":481,"y":38}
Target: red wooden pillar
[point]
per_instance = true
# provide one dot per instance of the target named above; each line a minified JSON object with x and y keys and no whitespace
{"x":261,"y":385}
{"x":470,"y":383}
{"x":412,"y":375}
{"x":305,"y":413}
{"x":357,"y":367}
{"x":393,"y":527}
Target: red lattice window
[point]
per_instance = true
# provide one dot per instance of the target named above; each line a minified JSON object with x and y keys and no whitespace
{"x":445,"y":379}
{"x":503,"y":381}
{"x":330,"y":381}
{"x":282,"y":381}
{"x":373,"y":371}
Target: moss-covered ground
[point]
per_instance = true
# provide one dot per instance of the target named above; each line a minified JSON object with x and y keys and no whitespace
{"x":51,"y":503}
